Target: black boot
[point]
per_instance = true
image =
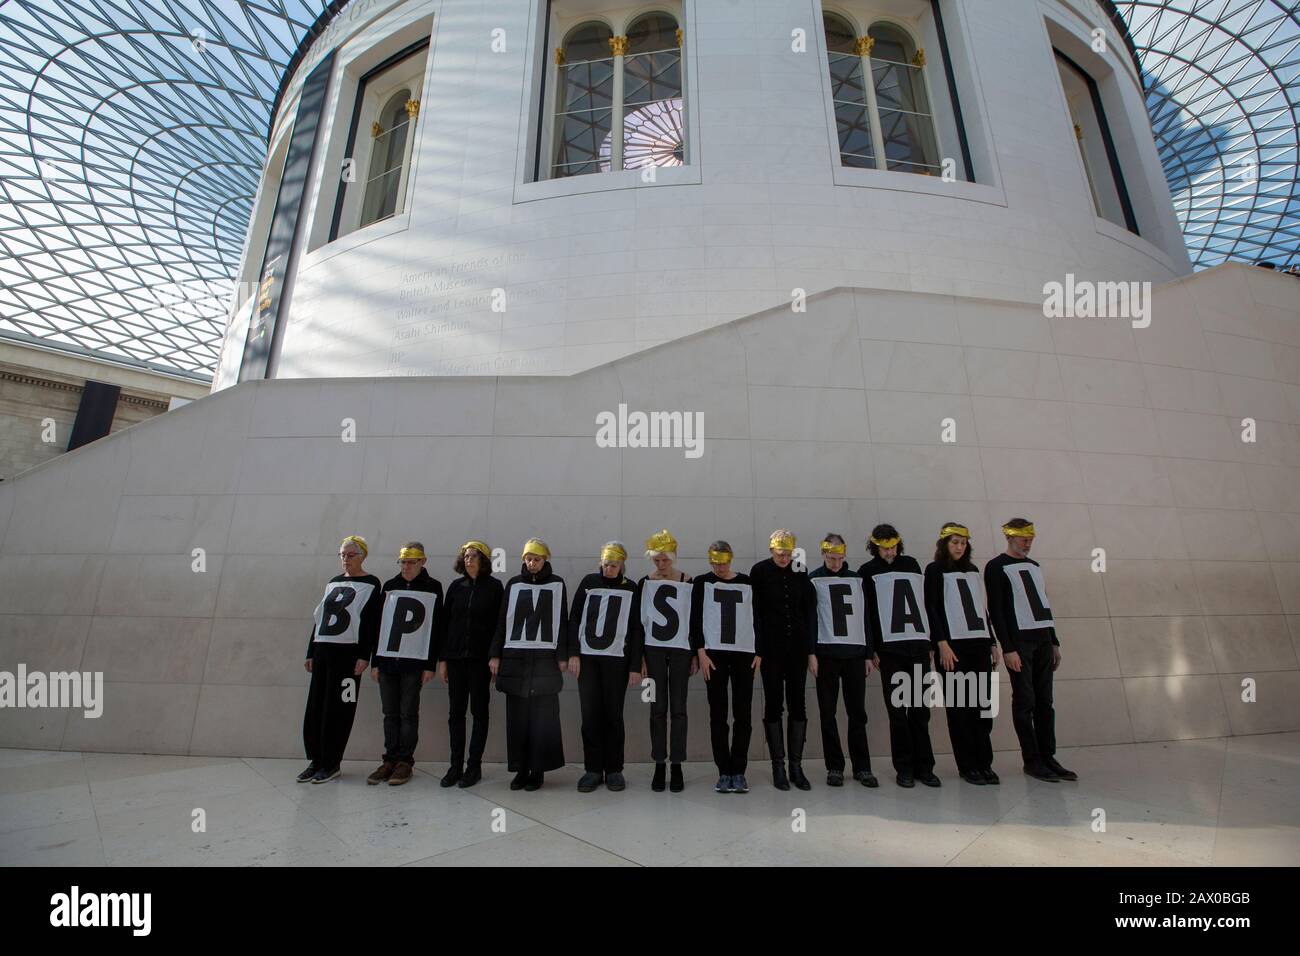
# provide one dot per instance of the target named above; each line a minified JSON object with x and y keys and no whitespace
{"x":660,"y":778}
{"x":798,"y":733}
{"x":776,"y":748}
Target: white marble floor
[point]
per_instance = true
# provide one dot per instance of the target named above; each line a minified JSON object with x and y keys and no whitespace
{"x":1232,"y":801}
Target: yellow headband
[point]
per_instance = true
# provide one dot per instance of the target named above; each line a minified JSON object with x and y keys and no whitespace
{"x":951,"y":529}
{"x":828,"y":548}
{"x":782,"y":542}
{"x":478,"y":546}
{"x":663,"y":543}
{"x":612,"y":552}
{"x":358,"y":541}
{"x":1026,"y":532}
{"x":533,"y":546}
{"x":886,"y":542}
{"x":719,"y":557}
{"x":410,"y":554}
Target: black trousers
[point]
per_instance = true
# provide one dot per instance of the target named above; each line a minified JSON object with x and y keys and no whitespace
{"x":469,"y":682}
{"x":972,"y":746}
{"x":784,"y":676}
{"x":1031,"y":701}
{"x":534,"y":742}
{"x":602,"y":689}
{"x":399,"y":695}
{"x":670,"y":670}
{"x":327,"y":723}
{"x":737,"y":671}
{"x":851,"y":674}
{"x":909,"y":721}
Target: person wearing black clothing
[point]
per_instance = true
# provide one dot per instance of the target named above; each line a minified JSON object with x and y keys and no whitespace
{"x":843,"y":649}
{"x":724,"y":619}
{"x":668,"y":661}
{"x":965,"y":648}
{"x":895,"y":606}
{"x":605,"y":656}
{"x":342,"y":640}
{"x":528,"y":658}
{"x":1022,"y":621}
{"x":473,"y":607}
{"x":781,"y":597}
{"x":404,"y":660}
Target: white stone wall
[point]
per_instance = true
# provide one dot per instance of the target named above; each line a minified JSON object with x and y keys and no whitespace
{"x":1104,"y":435}
{"x":599,"y":267}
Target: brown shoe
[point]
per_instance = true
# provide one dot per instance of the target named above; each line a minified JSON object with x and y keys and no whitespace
{"x":401,"y":774}
{"x":381,"y":773}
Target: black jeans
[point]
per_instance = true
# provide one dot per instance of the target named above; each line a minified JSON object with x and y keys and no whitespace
{"x":469,"y":682}
{"x":832,"y":672}
{"x":784,"y":676}
{"x":670,"y":670}
{"x":736,"y":669}
{"x":399,"y":694}
{"x":327,"y":723}
{"x":972,"y":746}
{"x":602,"y":687}
{"x":1031,"y":701}
{"x":909,"y":721}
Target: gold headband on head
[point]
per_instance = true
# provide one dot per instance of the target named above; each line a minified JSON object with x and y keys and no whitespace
{"x":661,"y":543}
{"x":886,"y":542}
{"x":478,"y":546}
{"x":612,"y":552}
{"x":829,"y":548}
{"x":950,"y":529}
{"x":1026,"y":532}
{"x":781,"y":542}
{"x":410,"y":554}
{"x":533,"y":546}
{"x":359,"y":541}
{"x":719,"y":557}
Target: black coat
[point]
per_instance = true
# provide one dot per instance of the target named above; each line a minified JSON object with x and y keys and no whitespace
{"x":526,"y":672}
{"x":781,"y":600}
{"x":431,"y":585}
{"x":473,"y":609}
{"x":634,"y":641}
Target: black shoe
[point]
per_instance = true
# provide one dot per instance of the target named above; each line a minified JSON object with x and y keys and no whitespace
{"x":325,"y":776}
{"x":472,"y":775}
{"x":776,"y":748}
{"x":906,"y":780}
{"x":519,"y":781}
{"x":974,"y":776}
{"x":535,"y":781}
{"x":1056,"y":768}
{"x":615,"y":781}
{"x":659,"y":781}
{"x":1039,"y":771}
{"x":307,"y":774}
{"x":866,"y":778}
{"x":589,"y":781}
{"x":798,"y":732}
{"x":929,"y":779}
{"x":739,"y":784}
{"x":676,"y":782}
{"x":991,"y":778}
{"x":452,"y":776}
{"x":724,"y":784}
{"x":834,"y":778}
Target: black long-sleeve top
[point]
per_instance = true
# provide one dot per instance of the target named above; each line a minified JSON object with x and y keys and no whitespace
{"x":937,"y":609}
{"x":472,"y":612}
{"x":781,"y":599}
{"x":697,"y":611}
{"x":527,"y":672}
{"x":841,"y":651}
{"x":633,"y":642}
{"x":402,"y":665}
{"x":1002,"y":611}
{"x":682,"y":578}
{"x":917,"y":647}
{"x":368,"y":633}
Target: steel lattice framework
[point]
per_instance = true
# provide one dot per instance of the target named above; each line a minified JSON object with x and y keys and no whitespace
{"x":133,"y":133}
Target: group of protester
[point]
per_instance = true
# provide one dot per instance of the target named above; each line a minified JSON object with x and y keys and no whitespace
{"x":947,"y":626}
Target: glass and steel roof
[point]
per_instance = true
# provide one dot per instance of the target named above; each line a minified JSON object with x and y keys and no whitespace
{"x":133,"y":132}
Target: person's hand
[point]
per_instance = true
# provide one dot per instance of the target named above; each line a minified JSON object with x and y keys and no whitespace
{"x":875,"y":659}
{"x":758,"y":661}
{"x":374,"y":674}
{"x":360,"y":668}
{"x":442,"y":671}
{"x":870,"y":666}
{"x":307,"y":665}
{"x":706,"y":665}
{"x":812,"y":665}
{"x":1012,"y":660}
{"x":645,"y":668}
{"x":494,"y":665}
{"x":947,"y":659}
{"x":1056,"y":657}
{"x":634,"y":678}
{"x":575,"y":665}
{"x":426,"y":677}
{"x":995,"y":657}
{"x":695,"y":666}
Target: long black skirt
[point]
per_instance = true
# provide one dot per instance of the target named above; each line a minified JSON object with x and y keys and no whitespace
{"x":533,"y":739}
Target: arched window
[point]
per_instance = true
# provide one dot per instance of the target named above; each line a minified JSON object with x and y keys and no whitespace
{"x":619,"y":98}
{"x":886,"y":123}
{"x":388,"y":155}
